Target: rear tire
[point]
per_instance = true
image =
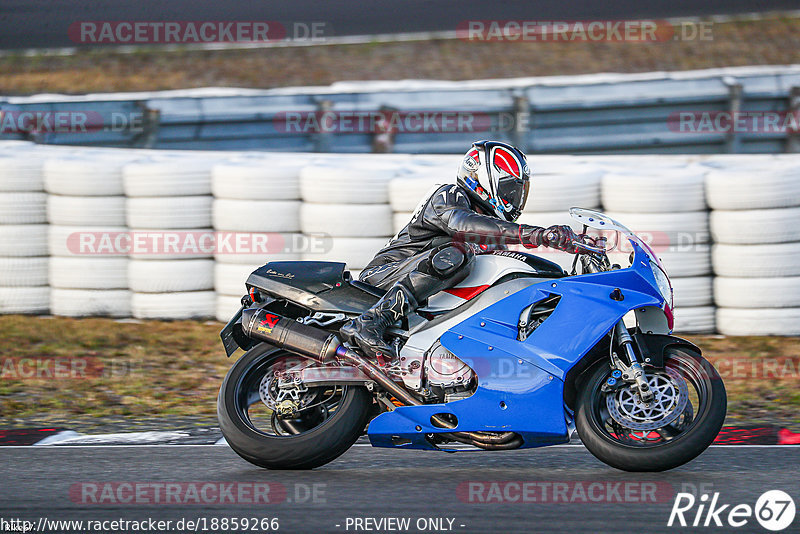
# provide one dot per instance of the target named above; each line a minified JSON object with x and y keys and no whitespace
{"x":310,"y":449}
{"x":659,"y":456}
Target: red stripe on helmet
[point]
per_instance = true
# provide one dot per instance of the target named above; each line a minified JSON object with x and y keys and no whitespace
{"x":507,"y":162}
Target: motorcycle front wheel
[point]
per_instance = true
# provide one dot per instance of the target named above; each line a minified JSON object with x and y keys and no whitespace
{"x":326,"y":423}
{"x":684,"y":418}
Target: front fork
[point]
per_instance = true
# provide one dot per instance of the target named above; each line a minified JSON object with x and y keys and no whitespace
{"x":633,"y":371}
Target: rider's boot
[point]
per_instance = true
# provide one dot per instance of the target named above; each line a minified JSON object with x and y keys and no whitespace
{"x":368,"y":329}
{"x":443,"y":269}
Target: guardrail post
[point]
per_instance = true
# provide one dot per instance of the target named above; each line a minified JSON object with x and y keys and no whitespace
{"x":793,"y":135}
{"x":522,"y":118}
{"x":147,"y":135}
{"x":733,"y":141}
{"x":385,"y":131}
{"x":322,"y":139}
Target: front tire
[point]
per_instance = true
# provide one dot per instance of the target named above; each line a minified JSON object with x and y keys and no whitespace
{"x":663,"y":448}
{"x":315,"y":444}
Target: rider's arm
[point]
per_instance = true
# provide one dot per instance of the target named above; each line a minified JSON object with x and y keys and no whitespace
{"x":451,"y":211}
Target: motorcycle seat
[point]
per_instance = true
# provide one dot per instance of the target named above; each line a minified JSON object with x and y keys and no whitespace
{"x":367,"y":288}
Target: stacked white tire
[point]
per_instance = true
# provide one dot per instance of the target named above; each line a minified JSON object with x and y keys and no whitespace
{"x":348,"y":208}
{"x":408,"y":191}
{"x":23,"y":234}
{"x":257,"y":200}
{"x":400,"y":220}
{"x":756,"y":228}
{"x":86,"y":208}
{"x":170,"y":199}
{"x":347,"y":181}
{"x":667,"y":208}
{"x":562,"y":187}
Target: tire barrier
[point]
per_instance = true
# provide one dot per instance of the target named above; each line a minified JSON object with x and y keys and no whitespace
{"x":661,"y":192}
{"x":562,"y":190}
{"x":168,"y":276}
{"x":180,"y":305}
{"x":357,"y":252}
{"x":347,"y":220}
{"x":256,"y":215}
{"x":168,"y":213}
{"x":755,"y":224}
{"x":85,"y":197}
{"x":256,"y":179}
{"x":23,"y":230}
{"x":340,"y":184}
{"x":168,"y":177}
{"x":91,"y":302}
{"x":725,"y":227}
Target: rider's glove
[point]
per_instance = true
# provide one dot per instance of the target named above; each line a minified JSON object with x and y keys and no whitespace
{"x":531,"y":236}
{"x":560,"y":237}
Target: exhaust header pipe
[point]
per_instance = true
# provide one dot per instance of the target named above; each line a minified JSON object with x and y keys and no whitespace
{"x":286,"y":333}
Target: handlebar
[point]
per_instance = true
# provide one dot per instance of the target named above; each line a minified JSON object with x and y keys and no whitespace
{"x":584,"y":247}
{"x":580,"y":244}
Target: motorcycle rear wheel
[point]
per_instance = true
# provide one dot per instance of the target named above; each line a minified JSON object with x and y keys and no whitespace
{"x":662,"y":448}
{"x":317,"y":436}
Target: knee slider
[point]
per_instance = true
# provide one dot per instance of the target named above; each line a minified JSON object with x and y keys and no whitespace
{"x":447,"y":261}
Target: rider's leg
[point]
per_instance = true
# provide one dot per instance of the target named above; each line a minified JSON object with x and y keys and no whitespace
{"x":411,"y":283}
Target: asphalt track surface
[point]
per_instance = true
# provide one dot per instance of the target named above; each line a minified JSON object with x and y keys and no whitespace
{"x":368,"y":482}
{"x":44,"y":23}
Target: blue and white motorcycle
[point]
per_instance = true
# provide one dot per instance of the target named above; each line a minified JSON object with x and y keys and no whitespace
{"x":520,"y":354}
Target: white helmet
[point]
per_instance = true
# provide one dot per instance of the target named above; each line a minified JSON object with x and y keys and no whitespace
{"x":497,"y":178}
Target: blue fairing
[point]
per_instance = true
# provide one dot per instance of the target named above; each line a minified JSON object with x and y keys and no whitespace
{"x":521,"y":384}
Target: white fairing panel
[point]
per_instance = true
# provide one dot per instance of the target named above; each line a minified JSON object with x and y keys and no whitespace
{"x":424,"y":336}
{"x":486,"y":270}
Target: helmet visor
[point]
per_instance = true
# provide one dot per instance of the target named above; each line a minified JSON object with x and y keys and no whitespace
{"x":512,"y":181}
{"x":514,"y":191}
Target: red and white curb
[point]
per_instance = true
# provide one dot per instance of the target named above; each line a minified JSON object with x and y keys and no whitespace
{"x":64,"y":437}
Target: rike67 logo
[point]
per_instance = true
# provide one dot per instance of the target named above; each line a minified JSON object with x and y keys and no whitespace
{"x":774,"y":510}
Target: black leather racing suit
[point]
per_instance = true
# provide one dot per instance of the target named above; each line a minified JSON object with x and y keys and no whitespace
{"x":436,"y":248}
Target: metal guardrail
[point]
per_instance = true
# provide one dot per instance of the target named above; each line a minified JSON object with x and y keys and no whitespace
{"x":591,"y":114}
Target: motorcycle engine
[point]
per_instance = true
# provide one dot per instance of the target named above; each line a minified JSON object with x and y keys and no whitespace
{"x":444,"y":376}
{"x":445,"y":369}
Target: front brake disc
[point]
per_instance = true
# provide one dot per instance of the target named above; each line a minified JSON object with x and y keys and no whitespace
{"x":670,"y":397}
